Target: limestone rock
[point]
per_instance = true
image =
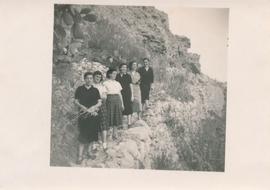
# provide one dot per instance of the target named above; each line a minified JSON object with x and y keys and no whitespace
{"x":129,"y":146}
{"x":141,"y":133}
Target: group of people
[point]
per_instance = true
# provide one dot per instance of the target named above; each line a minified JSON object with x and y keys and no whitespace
{"x":103,"y":103}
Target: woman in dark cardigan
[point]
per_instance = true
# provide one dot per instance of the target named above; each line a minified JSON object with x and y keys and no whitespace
{"x":88,"y":100}
{"x":147,"y":79}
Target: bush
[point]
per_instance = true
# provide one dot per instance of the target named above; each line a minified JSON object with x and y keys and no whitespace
{"x":115,"y":40}
{"x":200,"y":142}
{"x":177,"y":86}
{"x":164,"y":162}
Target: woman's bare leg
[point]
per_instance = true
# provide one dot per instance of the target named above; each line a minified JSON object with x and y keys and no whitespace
{"x":114,"y":133}
{"x":146,"y":104}
{"x":90,"y":149}
{"x":104,"y":138}
{"x":110,"y":133}
{"x":100,"y":137}
{"x":139,"y":115}
{"x":80,"y":154}
{"x":129,"y":120}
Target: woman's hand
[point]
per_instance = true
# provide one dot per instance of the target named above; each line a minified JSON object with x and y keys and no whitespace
{"x":84,"y":109}
{"x":132,"y":98}
{"x":94,"y":113}
{"x":91,"y":109}
{"x":123,"y":107}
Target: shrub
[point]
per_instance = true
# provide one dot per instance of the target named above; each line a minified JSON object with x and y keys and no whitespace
{"x":178,"y":86}
{"x":115,"y":40}
{"x":200,"y":142}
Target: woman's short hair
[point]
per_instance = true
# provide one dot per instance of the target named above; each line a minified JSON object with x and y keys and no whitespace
{"x":98,"y":73}
{"x":122,"y":64}
{"x":109,"y":72}
{"x":131,"y":63}
{"x":86,"y":74}
{"x":109,"y":57}
{"x":146,"y":58}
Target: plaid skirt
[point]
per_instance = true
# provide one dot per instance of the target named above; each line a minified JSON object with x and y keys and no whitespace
{"x":104,"y":124}
{"x":114,"y":110}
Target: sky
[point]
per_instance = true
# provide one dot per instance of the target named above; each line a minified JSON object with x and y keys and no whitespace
{"x":207,"y":28}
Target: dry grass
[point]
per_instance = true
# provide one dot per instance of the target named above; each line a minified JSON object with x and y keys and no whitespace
{"x":200,"y":145}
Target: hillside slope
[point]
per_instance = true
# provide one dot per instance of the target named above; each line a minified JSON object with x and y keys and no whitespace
{"x":188,"y":111}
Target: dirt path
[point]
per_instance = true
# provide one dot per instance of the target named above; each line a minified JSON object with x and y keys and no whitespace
{"x":146,"y":145}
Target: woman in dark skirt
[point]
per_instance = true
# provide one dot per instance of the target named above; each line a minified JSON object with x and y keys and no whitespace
{"x":147,"y":79}
{"x":127,"y":92}
{"x":87,"y":98}
{"x":103,"y":109}
{"x":114,"y":102}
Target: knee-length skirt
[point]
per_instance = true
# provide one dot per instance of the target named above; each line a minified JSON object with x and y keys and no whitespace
{"x":104,"y":124}
{"x":88,"y":129}
{"x":136,"y":104}
{"x":114,"y":110}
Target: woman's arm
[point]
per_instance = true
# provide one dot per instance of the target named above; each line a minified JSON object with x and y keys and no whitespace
{"x":131,"y":88}
{"x":76,"y":101}
{"x":121,"y":100}
{"x":95,"y":107}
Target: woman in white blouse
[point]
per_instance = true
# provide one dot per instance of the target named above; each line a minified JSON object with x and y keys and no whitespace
{"x":114,"y":101}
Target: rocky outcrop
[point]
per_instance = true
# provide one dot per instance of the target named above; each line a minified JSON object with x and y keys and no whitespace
{"x":131,"y":150}
{"x":139,"y":147}
{"x":185,"y":127}
{"x":126,"y":33}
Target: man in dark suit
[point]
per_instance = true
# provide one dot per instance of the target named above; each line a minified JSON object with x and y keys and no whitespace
{"x":147,"y":79}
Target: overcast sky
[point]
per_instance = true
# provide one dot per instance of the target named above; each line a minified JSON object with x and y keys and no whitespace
{"x":207,"y":29}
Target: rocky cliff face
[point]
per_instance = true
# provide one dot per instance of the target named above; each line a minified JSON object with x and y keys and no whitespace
{"x":126,"y":33}
{"x":186,"y":127}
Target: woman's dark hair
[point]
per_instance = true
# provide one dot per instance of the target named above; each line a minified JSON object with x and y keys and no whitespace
{"x":146,"y":58}
{"x":98,"y":73}
{"x":109,"y":72}
{"x":86,"y":74}
{"x":130,"y":64}
{"x":109,"y":57}
{"x":122,"y":64}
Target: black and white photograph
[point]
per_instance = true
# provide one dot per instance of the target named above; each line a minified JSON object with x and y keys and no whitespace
{"x":130,"y":90}
{"x":139,"y":94}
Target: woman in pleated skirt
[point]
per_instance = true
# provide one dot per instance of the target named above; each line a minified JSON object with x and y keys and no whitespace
{"x":114,"y":102}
